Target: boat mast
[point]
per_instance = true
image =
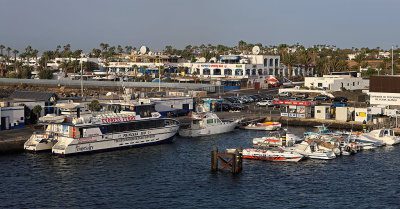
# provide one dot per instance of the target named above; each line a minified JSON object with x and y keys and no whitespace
{"x":81,"y":80}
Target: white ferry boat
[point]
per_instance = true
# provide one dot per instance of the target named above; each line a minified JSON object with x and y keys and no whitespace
{"x":46,"y":139}
{"x":135,"y":125}
{"x":206,"y":123}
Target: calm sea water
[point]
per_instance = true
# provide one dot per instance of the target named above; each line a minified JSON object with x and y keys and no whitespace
{"x":177,"y":175}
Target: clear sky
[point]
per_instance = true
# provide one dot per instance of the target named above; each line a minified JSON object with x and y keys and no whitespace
{"x":84,"y":24}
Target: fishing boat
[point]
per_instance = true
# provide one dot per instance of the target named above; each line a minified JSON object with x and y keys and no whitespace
{"x":205,"y":124}
{"x":385,"y":136}
{"x":267,"y":126}
{"x":277,"y":155}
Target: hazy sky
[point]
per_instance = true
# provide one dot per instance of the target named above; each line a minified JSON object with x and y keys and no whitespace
{"x":84,"y":24}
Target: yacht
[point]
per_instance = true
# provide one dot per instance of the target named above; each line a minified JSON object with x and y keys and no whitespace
{"x":206,"y":123}
{"x":385,"y":136}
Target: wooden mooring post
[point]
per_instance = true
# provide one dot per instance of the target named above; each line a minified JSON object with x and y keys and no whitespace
{"x":231,"y":161}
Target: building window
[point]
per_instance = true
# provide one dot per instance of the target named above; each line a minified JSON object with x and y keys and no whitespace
{"x":354,"y":83}
{"x":22,"y":118}
{"x":271,"y":62}
{"x":319,"y":84}
{"x":318,"y":111}
{"x":172,"y":106}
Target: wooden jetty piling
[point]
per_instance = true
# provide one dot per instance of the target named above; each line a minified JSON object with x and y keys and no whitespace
{"x":231,"y":161}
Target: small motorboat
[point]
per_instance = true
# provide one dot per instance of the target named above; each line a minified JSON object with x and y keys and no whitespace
{"x":277,"y":155}
{"x":385,"y":136}
{"x":267,"y":126}
{"x":312,"y":151}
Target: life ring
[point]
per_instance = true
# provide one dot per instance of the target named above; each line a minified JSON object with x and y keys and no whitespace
{"x":353,"y":145}
{"x":347,"y":148}
{"x":44,"y":136}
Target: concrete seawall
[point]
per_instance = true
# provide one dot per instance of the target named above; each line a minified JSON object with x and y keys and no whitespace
{"x":12,"y":141}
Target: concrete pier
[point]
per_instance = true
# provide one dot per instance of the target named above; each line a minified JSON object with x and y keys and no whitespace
{"x":12,"y":141}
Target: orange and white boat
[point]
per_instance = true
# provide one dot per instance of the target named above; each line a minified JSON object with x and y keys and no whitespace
{"x":267,"y":126}
{"x":277,"y":155}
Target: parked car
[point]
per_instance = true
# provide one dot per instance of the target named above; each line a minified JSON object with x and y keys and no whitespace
{"x":301,"y":95}
{"x":340,"y":99}
{"x":179,"y":112}
{"x":285,"y":94}
{"x":322,"y":98}
{"x":219,"y":106}
{"x":265,"y":103}
{"x":291,"y":98}
{"x":255,"y":98}
{"x":267,"y":97}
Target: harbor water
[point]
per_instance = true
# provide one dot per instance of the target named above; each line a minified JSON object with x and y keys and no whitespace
{"x":177,"y":175}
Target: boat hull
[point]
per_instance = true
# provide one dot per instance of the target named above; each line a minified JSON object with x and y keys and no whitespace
{"x":210,"y":130}
{"x":275,"y":156}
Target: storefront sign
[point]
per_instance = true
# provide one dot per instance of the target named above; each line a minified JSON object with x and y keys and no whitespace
{"x":296,"y":102}
{"x":301,"y":115}
{"x":292,"y":115}
{"x":384,"y":98}
{"x":284,"y":114}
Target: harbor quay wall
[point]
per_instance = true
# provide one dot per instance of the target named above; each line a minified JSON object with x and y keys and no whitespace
{"x":12,"y":146}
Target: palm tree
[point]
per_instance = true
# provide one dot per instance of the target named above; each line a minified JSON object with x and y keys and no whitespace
{"x":35,"y":54}
{"x":28,"y":51}
{"x":289,"y":60}
{"x":1,"y":49}
{"x":15,"y":52}
{"x":306,"y":60}
{"x":8,"y":54}
{"x":359,"y":59}
{"x":64,"y":67}
{"x":120,"y":49}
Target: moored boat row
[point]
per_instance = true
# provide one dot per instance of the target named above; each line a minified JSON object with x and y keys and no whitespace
{"x":323,"y":145}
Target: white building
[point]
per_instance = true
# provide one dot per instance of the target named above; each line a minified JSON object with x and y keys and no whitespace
{"x":236,"y":66}
{"x":11,"y":117}
{"x":336,"y":82}
{"x":166,"y":105}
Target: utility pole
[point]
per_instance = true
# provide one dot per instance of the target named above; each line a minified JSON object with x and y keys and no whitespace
{"x":392,"y":59}
{"x":159,"y":78}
